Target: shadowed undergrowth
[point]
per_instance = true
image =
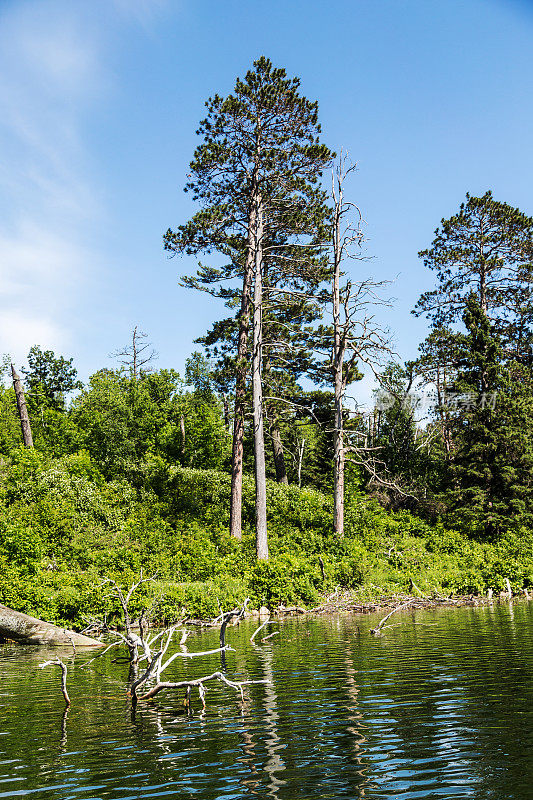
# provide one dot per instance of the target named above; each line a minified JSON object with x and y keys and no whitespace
{"x":63,"y":528}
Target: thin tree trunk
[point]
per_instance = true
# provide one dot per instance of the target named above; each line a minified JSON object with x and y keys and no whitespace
{"x":338,"y":466}
{"x":261,"y":536}
{"x":27,"y":438}
{"x":301,"y":448}
{"x":338,"y":360}
{"x":277,"y":449}
{"x":235,"y":525}
{"x":135,"y":353}
{"x":482,"y":270}
{"x":272,"y":414}
{"x":226,"y":412}
{"x":182,"y":434}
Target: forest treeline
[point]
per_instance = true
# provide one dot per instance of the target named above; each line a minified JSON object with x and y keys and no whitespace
{"x":298,"y":469}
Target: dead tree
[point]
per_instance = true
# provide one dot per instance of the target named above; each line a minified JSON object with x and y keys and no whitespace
{"x":377,"y":630}
{"x":25,"y":426}
{"x":188,"y":685}
{"x":141,"y":647}
{"x":226,"y":411}
{"x":137,"y":355}
{"x":355,"y":338}
{"x":132,"y":641}
{"x":272,"y":418}
{"x":156,"y":666}
{"x":224,"y":618}
{"x":182,"y":436}
{"x":277,"y":448}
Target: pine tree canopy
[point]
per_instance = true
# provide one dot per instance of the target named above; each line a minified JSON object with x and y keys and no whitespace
{"x":486,"y":249}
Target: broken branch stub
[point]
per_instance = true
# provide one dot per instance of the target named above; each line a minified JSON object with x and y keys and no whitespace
{"x":225,"y":618}
{"x":377,"y":630}
{"x":254,"y":634}
{"x":58,"y":663}
{"x":270,"y":635}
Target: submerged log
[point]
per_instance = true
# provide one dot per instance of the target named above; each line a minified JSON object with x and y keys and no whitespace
{"x":29,"y":630}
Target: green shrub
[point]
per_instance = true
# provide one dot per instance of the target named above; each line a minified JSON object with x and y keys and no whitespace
{"x":63,"y":529}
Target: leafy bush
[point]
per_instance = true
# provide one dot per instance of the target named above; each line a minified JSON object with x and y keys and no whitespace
{"x":63,"y":528}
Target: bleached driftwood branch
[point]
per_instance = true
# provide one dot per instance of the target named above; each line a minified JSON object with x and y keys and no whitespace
{"x":270,"y":635}
{"x":227,"y":616}
{"x":377,"y":630}
{"x":263,"y":624}
{"x":188,"y":685}
{"x":56,"y":662}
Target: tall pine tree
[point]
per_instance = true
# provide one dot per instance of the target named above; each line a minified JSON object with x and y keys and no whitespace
{"x":256,"y":176}
{"x":486,"y":249}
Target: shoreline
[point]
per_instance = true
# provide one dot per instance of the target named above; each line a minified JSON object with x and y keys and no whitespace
{"x":347,"y":604}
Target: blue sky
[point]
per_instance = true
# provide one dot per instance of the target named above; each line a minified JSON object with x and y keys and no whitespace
{"x":100,"y":102}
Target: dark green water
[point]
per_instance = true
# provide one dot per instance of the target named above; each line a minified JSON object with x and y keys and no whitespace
{"x":440,"y":706}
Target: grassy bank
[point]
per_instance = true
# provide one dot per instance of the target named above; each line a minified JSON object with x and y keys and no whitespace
{"x":63,"y":528}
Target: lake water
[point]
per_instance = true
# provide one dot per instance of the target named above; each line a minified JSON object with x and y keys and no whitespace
{"x":439,"y":706}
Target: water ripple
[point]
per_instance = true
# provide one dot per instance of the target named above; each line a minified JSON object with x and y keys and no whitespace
{"x":439,"y":706}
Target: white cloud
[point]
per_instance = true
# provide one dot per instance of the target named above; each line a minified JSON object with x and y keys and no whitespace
{"x":21,"y":329}
{"x":33,"y":256}
{"x":49,"y":76}
{"x":52,"y":74}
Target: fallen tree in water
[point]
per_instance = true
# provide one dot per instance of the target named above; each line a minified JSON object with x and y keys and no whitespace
{"x":22,"y":628}
{"x":377,"y":630}
{"x":188,"y":685}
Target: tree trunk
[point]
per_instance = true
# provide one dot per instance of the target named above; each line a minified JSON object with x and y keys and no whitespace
{"x":338,"y":466}
{"x":226,"y":412}
{"x":135,"y":353}
{"x":29,"y":630}
{"x":22,"y":409}
{"x":272,"y":415}
{"x":338,"y":362}
{"x":235,"y":525}
{"x":182,"y":435}
{"x":261,"y":537}
{"x":277,"y":449}
{"x":301,"y":448}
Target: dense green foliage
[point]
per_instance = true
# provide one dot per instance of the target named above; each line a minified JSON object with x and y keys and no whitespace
{"x":471,"y":465}
{"x":63,"y":528}
{"x":134,"y":471}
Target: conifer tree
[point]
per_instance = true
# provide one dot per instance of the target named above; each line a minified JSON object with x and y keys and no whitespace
{"x":491,"y":471}
{"x":473,"y":472}
{"x":486,"y":249}
{"x":436,"y":366}
{"x":255,"y":176}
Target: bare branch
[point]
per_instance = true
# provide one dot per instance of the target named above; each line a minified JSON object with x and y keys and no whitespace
{"x":199,"y":683}
{"x":58,"y":663}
